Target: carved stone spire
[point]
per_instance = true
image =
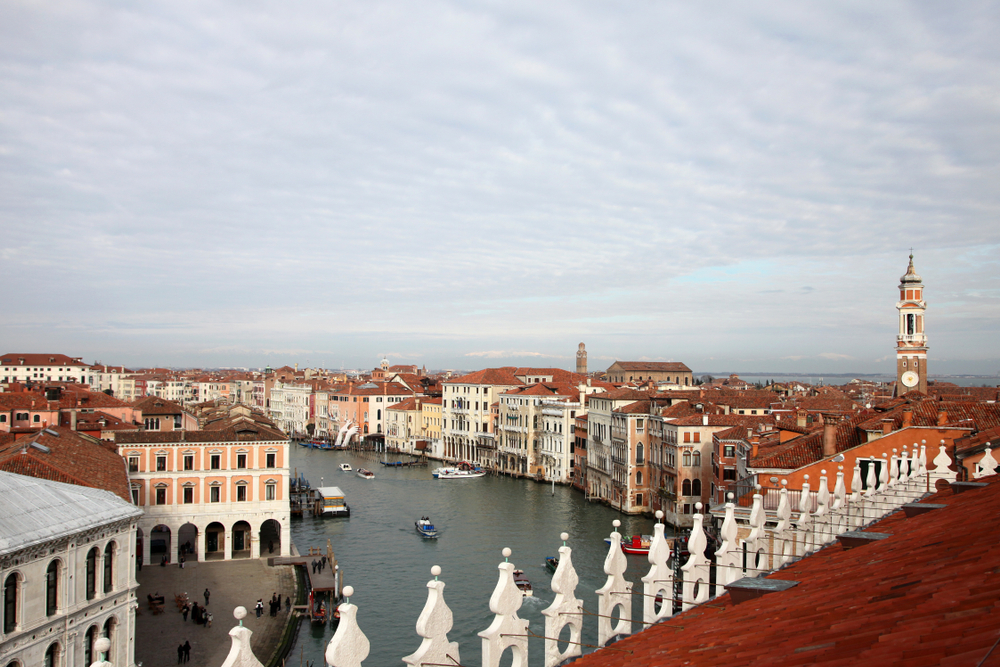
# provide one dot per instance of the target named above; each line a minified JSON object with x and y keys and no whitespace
{"x":616,"y":593}
{"x":564,"y":610}
{"x":433,"y":625}
{"x":507,"y":630}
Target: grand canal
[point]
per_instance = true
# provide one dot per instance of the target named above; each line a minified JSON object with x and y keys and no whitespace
{"x":389,"y":564}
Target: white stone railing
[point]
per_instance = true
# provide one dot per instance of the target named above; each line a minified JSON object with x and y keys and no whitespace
{"x":764,"y":549}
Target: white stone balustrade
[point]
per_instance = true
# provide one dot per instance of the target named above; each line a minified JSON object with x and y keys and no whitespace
{"x":728,"y":557}
{"x":349,"y":645}
{"x":696,"y":569}
{"x":658,"y":584}
{"x":986,"y":465}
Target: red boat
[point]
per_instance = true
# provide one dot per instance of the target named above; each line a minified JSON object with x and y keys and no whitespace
{"x":639,"y":544}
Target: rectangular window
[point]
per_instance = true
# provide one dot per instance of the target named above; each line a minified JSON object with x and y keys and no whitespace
{"x":188,"y":495}
{"x":133,"y":464}
{"x":687,"y":438}
{"x":697,"y":437}
{"x":241,"y":461}
{"x":215,"y":461}
{"x":214,"y":494}
{"x":269,"y":492}
{"x":271,"y":459}
{"x":161,"y":463}
{"x":241,"y":493}
{"x":729,"y":451}
{"x":161,"y":496}
{"x":135,"y":496}
{"x":189,"y":461}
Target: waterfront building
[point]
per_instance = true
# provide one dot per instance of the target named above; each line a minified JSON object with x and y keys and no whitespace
{"x":534,"y":430}
{"x":67,"y":555}
{"x":43,"y":368}
{"x":290,"y":407}
{"x":220,"y":493}
{"x":403,"y":423}
{"x":366,"y":405}
{"x":431,"y":420}
{"x":600,"y":467}
{"x":911,"y":339}
{"x":579,"y":475}
{"x":467,"y":429}
{"x":659,"y":372}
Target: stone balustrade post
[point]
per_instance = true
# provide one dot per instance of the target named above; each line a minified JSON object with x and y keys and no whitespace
{"x":804,"y":523}
{"x":986,"y":465}
{"x":433,"y":625}
{"x":566,"y":609}
{"x":616,"y":594}
{"x":240,"y":653}
{"x":658,"y":584}
{"x":728,"y":557}
{"x":696,"y":569}
{"x":507,"y":630}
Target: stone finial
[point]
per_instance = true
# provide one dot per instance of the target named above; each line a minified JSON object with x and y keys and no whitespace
{"x":805,"y":503}
{"x":696,"y":569}
{"x":904,"y":467}
{"x":986,"y":465}
{"x":883,"y":475}
{"x":433,"y":625}
{"x":564,"y":610}
{"x":839,"y":491}
{"x":507,"y":630}
{"x":240,"y":653}
{"x":923,"y":458}
{"x":349,"y":646}
{"x":856,"y":482}
{"x":658,"y":582}
{"x":102,"y":646}
{"x":615,"y":594}
{"x":893,"y":470}
{"x":784,"y":511}
{"x":822,"y":495}
{"x":942,"y":462}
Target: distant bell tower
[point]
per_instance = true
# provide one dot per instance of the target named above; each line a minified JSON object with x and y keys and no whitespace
{"x":911,"y":341}
{"x":581,"y":359}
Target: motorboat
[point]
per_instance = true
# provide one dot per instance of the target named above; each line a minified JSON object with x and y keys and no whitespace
{"x":365,"y":473}
{"x":425,"y":527}
{"x":522,"y":583}
{"x":552,"y":563}
{"x":635,"y":545}
{"x":458,"y":473}
{"x":346,"y":467}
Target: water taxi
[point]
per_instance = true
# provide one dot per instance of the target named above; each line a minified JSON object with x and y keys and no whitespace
{"x":425,"y":527}
{"x":346,"y":467}
{"x":365,"y":473}
{"x":522,"y":583}
{"x":330,"y":502}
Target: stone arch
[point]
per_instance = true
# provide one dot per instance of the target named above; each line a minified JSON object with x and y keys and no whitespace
{"x":89,"y":653}
{"x":53,"y":655}
{"x":13,"y":599}
{"x":53,"y":591}
{"x":159,"y":543}
{"x":242,"y":540}
{"x":187,"y":540}
{"x":92,"y":564}
{"x":270,"y":538}
{"x":110,"y":630}
{"x":215,"y":541}
{"x":108,"y":575}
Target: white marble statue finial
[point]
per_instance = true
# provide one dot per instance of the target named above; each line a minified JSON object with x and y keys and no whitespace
{"x":942,"y":462}
{"x":839,"y":491}
{"x":883,"y":474}
{"x":433,"y":625}
{"x":856,"y":482}
{"x":656,"y":585}
{"x":822,"y":494}
{"x":987,"y":465}
{"x":696,"y":569}
{"x":240,"y":653}
{"x":616,"y":592}
{"x":564,"y":537}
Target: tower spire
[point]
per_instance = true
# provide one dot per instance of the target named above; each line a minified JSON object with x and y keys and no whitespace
{"x":911,"y":340}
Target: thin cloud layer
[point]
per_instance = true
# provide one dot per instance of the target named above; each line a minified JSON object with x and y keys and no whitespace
{"x":204,"y":183}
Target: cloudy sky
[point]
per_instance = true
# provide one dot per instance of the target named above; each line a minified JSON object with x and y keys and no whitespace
{"x":470,"y":184}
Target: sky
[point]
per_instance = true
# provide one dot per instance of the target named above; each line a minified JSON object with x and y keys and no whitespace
{"x":472,"y":184}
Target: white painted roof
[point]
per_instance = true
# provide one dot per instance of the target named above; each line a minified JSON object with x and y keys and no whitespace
{"x":330,"y":492}
{"x":35,"y":510}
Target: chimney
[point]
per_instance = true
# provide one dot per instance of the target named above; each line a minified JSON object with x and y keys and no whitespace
{"x":829,"y":437}
{"x":72,"y":420}
{"x":754,"y":444}
{"x":887,"y":425}
{"x":800,"y":419}
{"x":704,"y":420}
{"x":907,"y":417}
{"x":942,"y":417}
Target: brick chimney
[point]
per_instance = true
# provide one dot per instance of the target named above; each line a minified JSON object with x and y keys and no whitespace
{"x":942,"y":418}
{"x":800,"y":419}
{"x":887,"y":425}
{"x":907,"y":417}
{"x":829,"y":437}
{"x":754,"y":445}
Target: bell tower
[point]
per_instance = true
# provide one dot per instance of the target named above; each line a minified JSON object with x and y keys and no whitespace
{"x":581,"y":359}
{"x":911,"y":341}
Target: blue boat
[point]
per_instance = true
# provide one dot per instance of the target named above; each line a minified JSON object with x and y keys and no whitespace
{"x":425,"y":527}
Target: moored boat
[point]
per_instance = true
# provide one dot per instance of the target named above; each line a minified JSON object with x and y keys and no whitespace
{"x":552,"y":563}
{"x":522,"y":583}
{"x":365,"y":473}
{"x":425,"y":527}
{"x":457,"y":473}
{"x":635,"y":545}
{"x":346,"y":467}
{"x":330,"y":502}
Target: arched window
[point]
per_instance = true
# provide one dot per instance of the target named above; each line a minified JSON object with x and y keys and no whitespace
{"x":88,"y":645}
{"x":378,"y":414}
{"x":52,"y":655}
{"x":52,"y":591}
{"x":92,"y":573}
{"x":686,"y":488}
{"x":109,"y":567}
{"x":697,"y":458}
{"x":696,"y":487}
{"x":638,"y":478}
{"x":687,"y":458}
{"x":109,"y":630}
{"x":10,"y":591}
{"x":639,"y":454}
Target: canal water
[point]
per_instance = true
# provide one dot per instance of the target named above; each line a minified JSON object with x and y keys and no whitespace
{"x":389,"y":564}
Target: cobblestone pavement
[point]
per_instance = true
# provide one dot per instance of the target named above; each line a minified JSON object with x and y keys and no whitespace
{"x":231,"y":584}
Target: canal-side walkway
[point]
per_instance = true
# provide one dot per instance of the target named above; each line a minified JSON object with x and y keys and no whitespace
{"x":231,"y":584}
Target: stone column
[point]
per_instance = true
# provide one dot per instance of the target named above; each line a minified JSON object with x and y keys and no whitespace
{"x":200,"y":544}
{"x":227,"y":536}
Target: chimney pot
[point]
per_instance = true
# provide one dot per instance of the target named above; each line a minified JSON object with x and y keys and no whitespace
{"x":829,"y":438}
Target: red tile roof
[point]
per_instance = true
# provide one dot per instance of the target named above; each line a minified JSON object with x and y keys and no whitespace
{"x":656,"y":366}
{"x":927,"y":595}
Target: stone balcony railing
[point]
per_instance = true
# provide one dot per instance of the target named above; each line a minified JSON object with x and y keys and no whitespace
{"x":763,"y":550}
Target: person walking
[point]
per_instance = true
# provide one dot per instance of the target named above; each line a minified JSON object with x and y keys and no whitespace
{"x":180,"y":653}
{"x":184,"y":611}
{"x":187,"y":650}
{"x":207,"y":593}
{"x":259,"y":607}
{"x":288,"y":602}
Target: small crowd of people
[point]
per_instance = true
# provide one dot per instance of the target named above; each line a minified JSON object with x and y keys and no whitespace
{"x":318,"y":565}
{"x":274,"y":605}
{"x":199,"y":614}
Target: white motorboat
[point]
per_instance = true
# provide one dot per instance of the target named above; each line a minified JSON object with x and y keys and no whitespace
{"x":425,"y":527}
{"x":457,"y":473}
{"x":366,"y":474}
{"x":346,"y":467}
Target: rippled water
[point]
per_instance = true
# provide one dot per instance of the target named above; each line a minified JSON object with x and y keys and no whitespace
{"x":389,"y":564}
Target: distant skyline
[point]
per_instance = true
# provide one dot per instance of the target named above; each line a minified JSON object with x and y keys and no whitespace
{"x":465,"y":185}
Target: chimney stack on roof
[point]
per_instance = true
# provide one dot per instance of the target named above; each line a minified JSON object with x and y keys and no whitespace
{"x":942,"y":417}
{"x":829,"y":436}
{"x":907,"y":417}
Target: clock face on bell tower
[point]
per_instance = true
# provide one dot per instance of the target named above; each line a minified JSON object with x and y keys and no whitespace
{"x":911,"y":341}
